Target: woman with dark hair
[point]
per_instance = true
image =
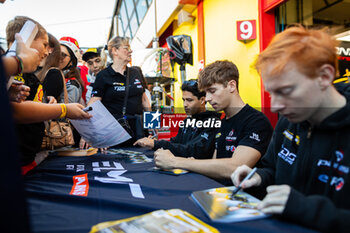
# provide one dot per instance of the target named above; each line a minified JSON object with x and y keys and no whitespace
{"x":70,"y":54}
{"x":49,"y":74}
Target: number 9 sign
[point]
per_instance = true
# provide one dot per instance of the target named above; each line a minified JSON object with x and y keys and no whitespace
{"x":246,"y":30}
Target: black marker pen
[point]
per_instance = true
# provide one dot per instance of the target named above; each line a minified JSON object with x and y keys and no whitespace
{"x":87,"y":109}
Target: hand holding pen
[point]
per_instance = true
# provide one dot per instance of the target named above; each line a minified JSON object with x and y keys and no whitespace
{"x":250,"y":178}
{"x":87,"y":109}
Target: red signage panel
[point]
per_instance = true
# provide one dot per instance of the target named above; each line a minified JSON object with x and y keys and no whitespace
{"x":246,"y":30}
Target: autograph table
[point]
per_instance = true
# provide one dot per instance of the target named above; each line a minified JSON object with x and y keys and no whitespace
{"x":71,"y":194}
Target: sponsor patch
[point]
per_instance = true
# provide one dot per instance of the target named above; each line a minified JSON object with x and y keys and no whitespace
{"x":231,"y":148}
{"x":286,"y":155}
{"x":290,"y":136}
{"x":119,"y":88}
{"x":80,"y":185}
{"x":337,"y":182}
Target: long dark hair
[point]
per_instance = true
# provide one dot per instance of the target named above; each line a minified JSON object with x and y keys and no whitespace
{"x":74,"y":72}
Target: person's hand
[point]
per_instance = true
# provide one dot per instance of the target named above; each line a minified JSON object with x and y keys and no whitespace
{"x":240,"y":173}
{"x":164,"y":159}
{"x":145,"y":142}
{"x":75,"y":111}
{"x":30,"y":57}
{"x":103,"y":150}
{"x":83,"y":144}
{"x":18,"y":92}
{"x":275,"y":200}
{"x":51,"y":100}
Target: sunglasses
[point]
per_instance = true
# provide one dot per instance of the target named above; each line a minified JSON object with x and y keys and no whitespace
{"x":191,"y":83}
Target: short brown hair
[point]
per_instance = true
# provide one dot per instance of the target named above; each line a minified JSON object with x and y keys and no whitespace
{"x":15,"y":25}
{"x":218,"y":72}
{"x":116,"y":42}
{"x":309,"y":49}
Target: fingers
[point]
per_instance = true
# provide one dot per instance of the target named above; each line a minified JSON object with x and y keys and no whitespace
{"x":139,"y":142}
{"x":75,"y":111}
{"x":52,"y":100}
{"x":104,"y":150}
{"x":18,"y":38}
{"x":238,"y":175}
{"x":278,"y":188}
{"x":158,"y":152}
{"x":81,"y":144}
{"x":18,"y":92}
{"x":273,"y":210}
{"x":249,"y":183}
{"x":30,"y":57}
{"x":276,"y":199}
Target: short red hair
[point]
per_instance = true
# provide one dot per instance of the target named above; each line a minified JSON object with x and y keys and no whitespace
{"x":309,"y":49}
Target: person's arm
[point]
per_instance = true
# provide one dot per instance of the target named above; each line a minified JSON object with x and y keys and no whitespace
{"x":317,"y":211}
{"x":32,"y":112}
{"x":199,"y":146}
{"x":145,"y":103}
{"x":98,"y":89}
{"x":215,"y":168}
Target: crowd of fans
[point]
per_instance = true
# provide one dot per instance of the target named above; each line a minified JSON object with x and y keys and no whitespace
{"x":299,"y":162}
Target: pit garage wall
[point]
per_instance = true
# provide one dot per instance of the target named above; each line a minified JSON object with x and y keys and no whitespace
{"x":220,"y":42}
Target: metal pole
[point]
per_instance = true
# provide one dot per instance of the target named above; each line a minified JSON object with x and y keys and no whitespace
{"x":155,"y":43}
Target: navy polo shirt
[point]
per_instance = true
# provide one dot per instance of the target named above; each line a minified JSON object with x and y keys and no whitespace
{"x":110,"y":86}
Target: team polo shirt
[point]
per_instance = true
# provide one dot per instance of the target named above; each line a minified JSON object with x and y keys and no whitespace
{"x":110,"y":86}
{"x":249,"y":127}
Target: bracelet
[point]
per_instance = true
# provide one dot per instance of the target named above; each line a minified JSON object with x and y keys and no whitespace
{"x":64,"y":111}
{"x":19,"y":64}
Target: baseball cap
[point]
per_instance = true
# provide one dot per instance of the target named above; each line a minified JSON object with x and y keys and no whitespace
{"x":91,"y":52}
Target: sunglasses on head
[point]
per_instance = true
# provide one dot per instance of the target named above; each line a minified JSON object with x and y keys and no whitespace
{"x":191,"y":83}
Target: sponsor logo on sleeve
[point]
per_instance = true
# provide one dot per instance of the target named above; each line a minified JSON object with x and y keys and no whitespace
{"x":255,"y":137}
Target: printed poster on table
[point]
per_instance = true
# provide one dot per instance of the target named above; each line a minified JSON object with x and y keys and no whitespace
{"x":219,"y":206}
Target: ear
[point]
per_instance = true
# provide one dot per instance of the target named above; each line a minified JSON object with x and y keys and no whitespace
{"x":232,"y":85}
{"x":326,"y":76}
{"x":202,"y":100}
{"x":114,"y":51}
